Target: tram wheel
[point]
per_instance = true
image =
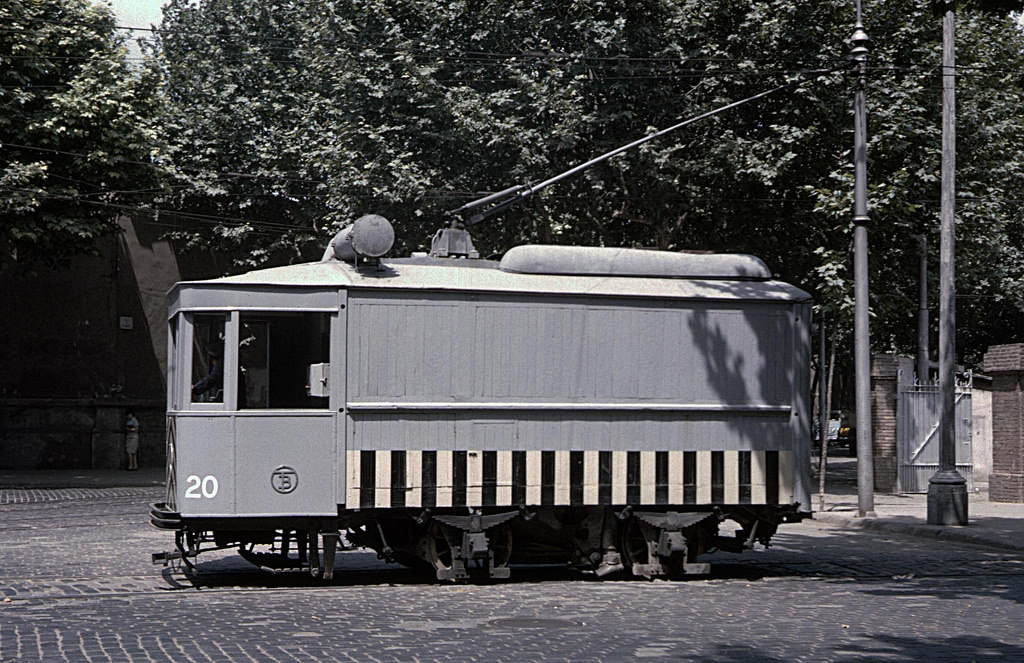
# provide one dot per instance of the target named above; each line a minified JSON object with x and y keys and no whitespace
{"x":440,"y":540}
{"x":501,"y":543}
{"x":638,"y":542}
{"x":438,"y":550}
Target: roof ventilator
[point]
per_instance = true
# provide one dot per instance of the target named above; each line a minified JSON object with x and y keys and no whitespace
{"x":363,"y":242}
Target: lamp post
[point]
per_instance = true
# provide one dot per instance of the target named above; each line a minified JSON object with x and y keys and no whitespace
{"x":861,"y":340}
{"x":947,"y":490}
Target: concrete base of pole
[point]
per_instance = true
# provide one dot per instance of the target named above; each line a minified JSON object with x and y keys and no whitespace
{"x":947,"y":499}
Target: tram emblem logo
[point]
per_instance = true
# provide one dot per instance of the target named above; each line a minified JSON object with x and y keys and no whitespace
{"x":284,"y":479}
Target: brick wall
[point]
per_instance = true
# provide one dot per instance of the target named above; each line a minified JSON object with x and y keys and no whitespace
{"x":1005,"y":363}
{"x":884,"y":394}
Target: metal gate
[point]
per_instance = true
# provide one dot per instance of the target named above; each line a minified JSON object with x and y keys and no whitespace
{"x":917,"y":432}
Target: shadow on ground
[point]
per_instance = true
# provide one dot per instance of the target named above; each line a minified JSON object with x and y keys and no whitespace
{"x":872,"y":562}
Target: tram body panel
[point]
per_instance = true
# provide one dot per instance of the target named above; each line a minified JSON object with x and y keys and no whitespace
{"x":500,"y":372}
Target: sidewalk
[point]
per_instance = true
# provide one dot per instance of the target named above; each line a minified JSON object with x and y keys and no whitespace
{"x":997,"y":525}
{"x":994,"y":524}
{"x":26,"y":479}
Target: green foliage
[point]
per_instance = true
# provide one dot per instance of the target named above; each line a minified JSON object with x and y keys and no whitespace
{"x":300,"y":116}
{"x":74,"y":139}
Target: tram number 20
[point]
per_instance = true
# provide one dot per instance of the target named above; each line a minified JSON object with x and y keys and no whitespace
{"x":199,"y":487}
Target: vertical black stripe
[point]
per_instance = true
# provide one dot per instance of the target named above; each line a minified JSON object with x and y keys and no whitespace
{"x":689,"y":477}
{"x":518,"y":477}
{"x":490,"y":490}
{"x":745,"y":490}
{"x":367,"y":478}
{"x":429,"y":478}
{"x":576,"y":477}
{"x":397,"y":478}
{"x":459,"y":478}
{"x":661,"y":477}
{"x":632,"y":477}
{"x":547,"y":477}
{"x":604,"y":477}
{"x":771,"y":479}
{"x":717,"y":477}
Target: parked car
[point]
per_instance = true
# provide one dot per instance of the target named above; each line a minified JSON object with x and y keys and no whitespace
{"x":840,"y":433}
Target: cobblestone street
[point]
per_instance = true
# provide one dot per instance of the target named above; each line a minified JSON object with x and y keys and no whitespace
{"x":77,"y":585}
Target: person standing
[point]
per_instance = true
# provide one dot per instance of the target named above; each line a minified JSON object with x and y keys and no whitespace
{"x":131,"y":441}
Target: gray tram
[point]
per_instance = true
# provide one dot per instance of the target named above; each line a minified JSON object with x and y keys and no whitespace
{"x":598,"y":407}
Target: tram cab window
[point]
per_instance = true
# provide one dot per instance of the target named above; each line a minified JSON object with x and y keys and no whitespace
{"x":208,"y":359}
{"x":274,"y":355}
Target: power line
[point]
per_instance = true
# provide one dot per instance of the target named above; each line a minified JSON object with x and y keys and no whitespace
{"x":481,"y":56}
{"x":486,"y":58}
{"x":263,"y":227}
{"x":116,"y":159}
{"x":639,"y":74}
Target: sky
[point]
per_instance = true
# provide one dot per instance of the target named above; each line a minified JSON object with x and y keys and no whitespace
{"x":138,"y":13}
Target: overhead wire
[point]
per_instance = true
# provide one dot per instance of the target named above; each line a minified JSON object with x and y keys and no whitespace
{"x":479,"y":57}
{"x":482,"y":58}
{"x":503,"y":59}
{"x":116,"y":159}
{"x":262,"y":227}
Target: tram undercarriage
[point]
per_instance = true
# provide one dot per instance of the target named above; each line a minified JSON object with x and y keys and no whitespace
{"x":485,"y":543}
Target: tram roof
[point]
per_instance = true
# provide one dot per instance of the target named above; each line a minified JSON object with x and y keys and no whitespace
{"x":626,"y":273}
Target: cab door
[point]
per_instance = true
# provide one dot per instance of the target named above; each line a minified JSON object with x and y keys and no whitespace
{"x":284,"y":426}
{"x":201,"y":428}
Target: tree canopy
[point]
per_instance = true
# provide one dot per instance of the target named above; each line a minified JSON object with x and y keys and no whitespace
{"x":293,"y":118}
{"x":276,"y":122}
{"x":76,"y":142}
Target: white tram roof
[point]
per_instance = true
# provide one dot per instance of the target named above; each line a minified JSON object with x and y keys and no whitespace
{"x":531,"y":269}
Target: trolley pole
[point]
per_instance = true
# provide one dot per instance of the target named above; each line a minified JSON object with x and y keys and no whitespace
{"x":947,"y":489}
{"x":861,"y":334}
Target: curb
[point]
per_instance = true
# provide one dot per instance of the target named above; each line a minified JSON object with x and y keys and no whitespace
{"x":923,"y":531}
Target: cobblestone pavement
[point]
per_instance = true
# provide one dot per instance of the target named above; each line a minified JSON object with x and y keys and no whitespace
{"x":38,"y":495}
{"x":77,"y":585}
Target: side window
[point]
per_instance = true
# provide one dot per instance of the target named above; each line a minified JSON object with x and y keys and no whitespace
{"x":275,"y":352}
{"x":208,"y":358}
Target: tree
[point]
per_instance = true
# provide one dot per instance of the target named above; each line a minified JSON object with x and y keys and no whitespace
{"x":74,"y":139}
{"x":289,"y":119}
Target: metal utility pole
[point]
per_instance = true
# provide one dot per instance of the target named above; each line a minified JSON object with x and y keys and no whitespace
{"x":861,"y":337}
{"x":947,"y":490}
{"x":823,"y":413}
{"x":923,"y":372}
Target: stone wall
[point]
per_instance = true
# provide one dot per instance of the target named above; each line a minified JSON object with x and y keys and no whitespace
{"x":80,"y":343}
{"x":981,"y":430}
{"x":76,"y":433}
{"x":78,"y":331}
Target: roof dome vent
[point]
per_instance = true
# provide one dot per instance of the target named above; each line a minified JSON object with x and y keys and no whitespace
{"x":371,"y":236}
